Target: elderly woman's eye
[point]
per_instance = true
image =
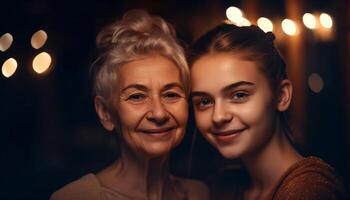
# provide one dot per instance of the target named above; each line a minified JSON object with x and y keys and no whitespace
{"x":171,"y":96}
{"x":136,"y":97}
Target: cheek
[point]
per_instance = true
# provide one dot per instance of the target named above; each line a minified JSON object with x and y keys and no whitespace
{"x":203,"y":120}
{"x":179,"y":111}
{"x":258,"y":114}
{"x":130,"y":116}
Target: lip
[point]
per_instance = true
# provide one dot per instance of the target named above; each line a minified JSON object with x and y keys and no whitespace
{"x":157,"y":130}
{"x":228,"y":135}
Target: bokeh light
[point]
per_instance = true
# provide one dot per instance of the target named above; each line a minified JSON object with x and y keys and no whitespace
{"x":315,"y":82}
{"x":326,"y":20}
{"x":5,"y":41}
{"x":265,"y":24}
{"x":309,"y":20}
{"x":289,"y":27}
{"x":38,"y":39}
{"x":9,"y":67}
{"x":41,"y":62}
{"x":234,"y":14}
{"x":243,"y":22}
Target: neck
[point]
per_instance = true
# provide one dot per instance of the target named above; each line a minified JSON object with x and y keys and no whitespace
{"x":267,"y":164}
{"x":137,"y":176}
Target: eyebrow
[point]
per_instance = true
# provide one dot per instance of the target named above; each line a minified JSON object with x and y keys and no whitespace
{"x":144,"y":88}
{"x":172,"y":85}
{"x":135,"y":86}
{"x":237,"y":84}
{"x":225,"y":89}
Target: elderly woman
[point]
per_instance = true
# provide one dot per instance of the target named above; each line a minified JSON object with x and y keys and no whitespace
{"x":141,"y":86}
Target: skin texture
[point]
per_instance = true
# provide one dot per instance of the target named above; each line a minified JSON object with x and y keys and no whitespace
{"x":237,"y":112}
{"x":150,"y":105}
{"x":148,"y":108}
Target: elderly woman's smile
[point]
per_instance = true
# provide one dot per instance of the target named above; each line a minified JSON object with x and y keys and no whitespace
{"x":150,"y":105}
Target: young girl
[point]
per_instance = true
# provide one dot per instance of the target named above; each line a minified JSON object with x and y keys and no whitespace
{"x":240,"y":93}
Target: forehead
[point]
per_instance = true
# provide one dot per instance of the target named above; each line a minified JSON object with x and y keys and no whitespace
{"x":147,"y":70}
{"x":214,"y":71}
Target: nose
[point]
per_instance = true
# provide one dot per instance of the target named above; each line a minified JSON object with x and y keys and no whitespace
{"x":221,"y":115}
{"x":157,"y":113}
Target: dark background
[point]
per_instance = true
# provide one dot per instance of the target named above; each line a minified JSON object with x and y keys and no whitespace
{"x":49,"y":132}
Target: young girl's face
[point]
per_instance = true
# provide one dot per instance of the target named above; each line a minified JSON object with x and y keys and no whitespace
{"x":234,"y":106}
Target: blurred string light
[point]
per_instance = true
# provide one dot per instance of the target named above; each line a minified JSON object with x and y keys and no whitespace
{"x":289,"y":27}
{"x":38,"y":39}
{"x":243,"y":22}
{"x":265,"y":24}
{"x":41,"y":62}
{"x":315,"y":82}
{"x":5,"y":41}
{"x":309,"y":20}
{"x":9,"y":67}
{"x":326,"y":20}
{"x":234,"y":14}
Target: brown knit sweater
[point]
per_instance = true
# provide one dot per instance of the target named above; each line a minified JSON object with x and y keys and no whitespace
{"x":308,"y":179}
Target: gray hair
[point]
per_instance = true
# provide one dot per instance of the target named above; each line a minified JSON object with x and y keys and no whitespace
{"x":136,"y":35}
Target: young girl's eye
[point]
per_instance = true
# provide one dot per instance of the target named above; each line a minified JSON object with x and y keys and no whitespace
{"x":240,"y":97}
{"x":202,"y":103}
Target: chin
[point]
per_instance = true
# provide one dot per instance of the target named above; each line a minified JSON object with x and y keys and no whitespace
{"x":158,"y":150}
{"x":229,"y":153}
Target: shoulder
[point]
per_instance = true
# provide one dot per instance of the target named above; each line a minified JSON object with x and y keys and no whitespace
{"x":310,"y":178}
{"x":85,"y":188}
{"x":193,"y":188}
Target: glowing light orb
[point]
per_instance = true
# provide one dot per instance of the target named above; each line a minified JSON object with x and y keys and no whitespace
{"x":38,"y":39}
{"x":289,"y":27}
{"x":9,"y":67}
{"x":41,"y":62}
{"x":326,"y":20}
{"x":265,"y":24}
{"x":5,"y":41}
{"x":309,"y":20}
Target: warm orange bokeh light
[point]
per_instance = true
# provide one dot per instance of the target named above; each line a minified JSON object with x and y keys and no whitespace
{"x":41,"y":62}
{"x":9,"y":67}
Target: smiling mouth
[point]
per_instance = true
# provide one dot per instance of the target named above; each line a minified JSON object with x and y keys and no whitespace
{"x":228,"y":132}
{"x":158,"y":130}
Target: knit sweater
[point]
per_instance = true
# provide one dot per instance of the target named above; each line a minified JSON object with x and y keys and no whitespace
{"x":308,"y":179}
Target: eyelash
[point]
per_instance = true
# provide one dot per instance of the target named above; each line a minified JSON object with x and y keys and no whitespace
{"x":199,"y":104}
{"x":171,"y":96}
{"x":240,"y":96}
{"x":237,"y":97}
{"x":136,"y":97}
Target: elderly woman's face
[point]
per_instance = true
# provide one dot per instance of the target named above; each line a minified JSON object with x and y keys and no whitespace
{"x":150,"y":105}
